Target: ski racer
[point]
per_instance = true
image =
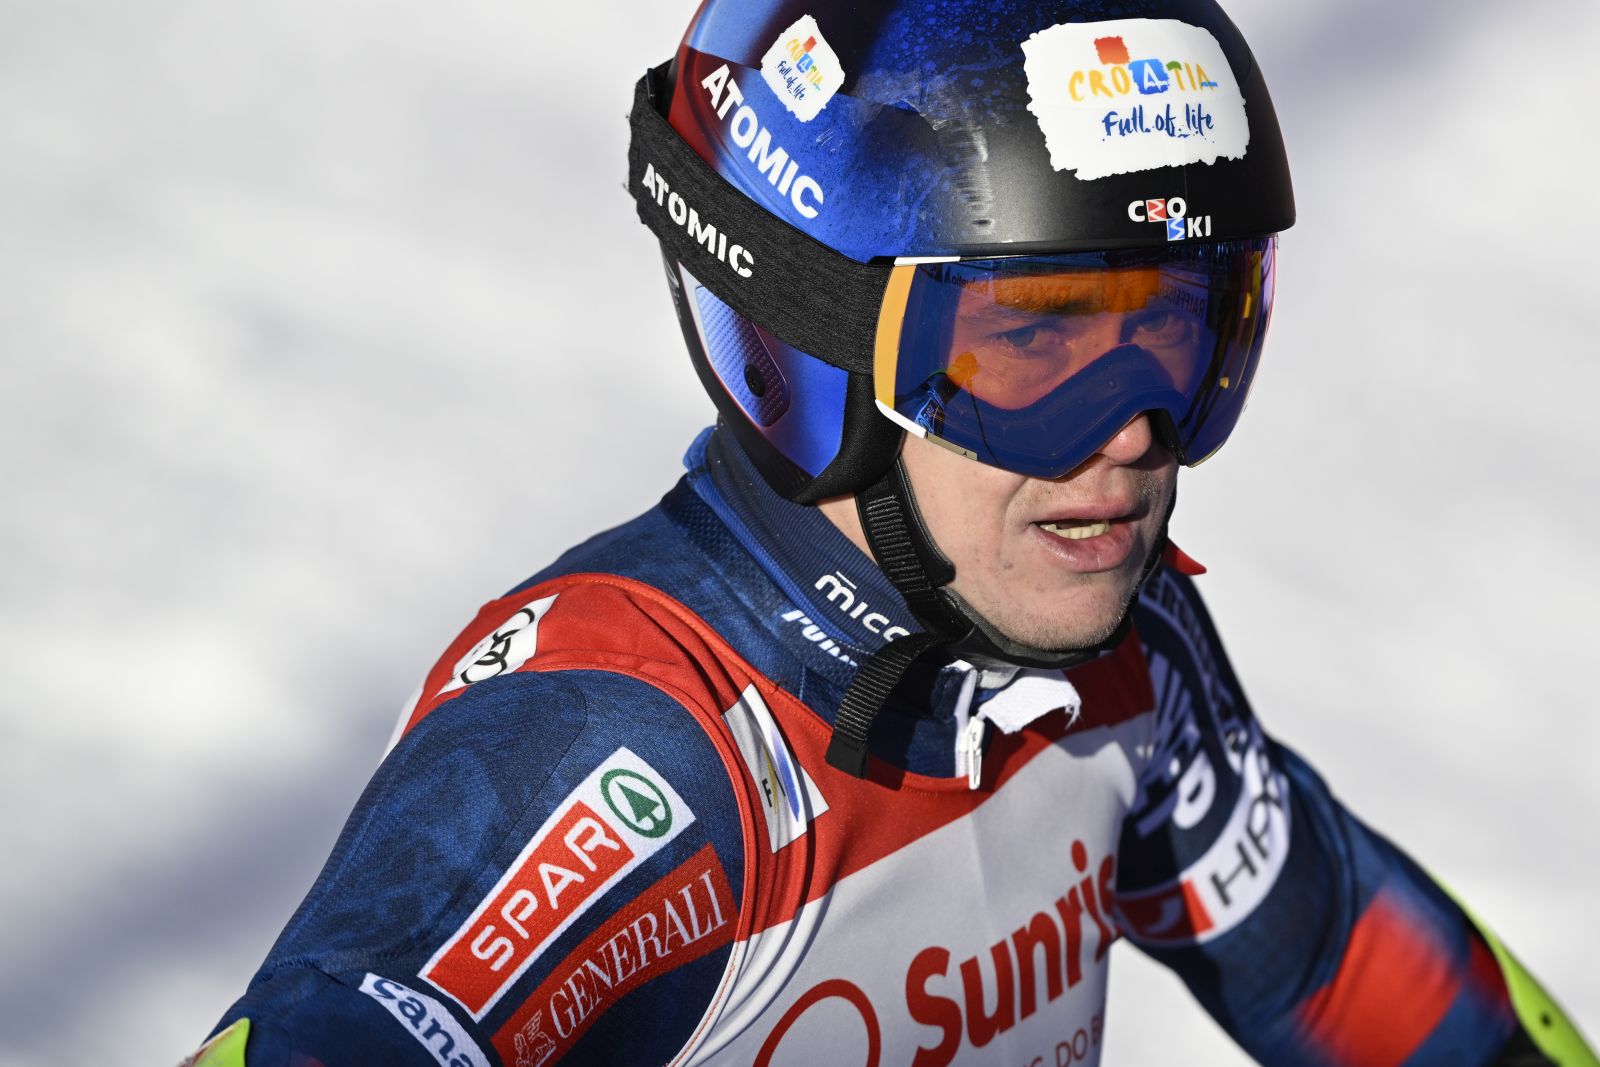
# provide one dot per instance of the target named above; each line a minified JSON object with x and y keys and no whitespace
{"x":866,"y":743}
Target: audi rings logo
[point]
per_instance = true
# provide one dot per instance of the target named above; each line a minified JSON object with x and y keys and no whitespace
{"x":833,"y":989}
{"x":512,"y":644}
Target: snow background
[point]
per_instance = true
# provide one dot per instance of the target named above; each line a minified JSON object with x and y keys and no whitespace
{"x":314,"y":322}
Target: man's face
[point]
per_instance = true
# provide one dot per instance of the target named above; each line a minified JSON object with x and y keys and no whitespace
{"x":1052,"y":564}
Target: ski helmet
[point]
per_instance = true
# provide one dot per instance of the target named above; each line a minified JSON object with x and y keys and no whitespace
{"x":992,"y":133}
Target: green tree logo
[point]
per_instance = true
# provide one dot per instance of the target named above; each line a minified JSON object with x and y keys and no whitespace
{"x":637,"y":801}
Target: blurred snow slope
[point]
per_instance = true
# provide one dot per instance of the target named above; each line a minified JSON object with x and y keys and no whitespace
{"x":324,"y":323}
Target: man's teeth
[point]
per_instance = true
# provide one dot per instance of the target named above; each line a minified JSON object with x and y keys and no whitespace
{"x":1077,"y":531}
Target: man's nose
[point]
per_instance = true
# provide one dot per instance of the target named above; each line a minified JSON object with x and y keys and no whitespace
{"x":1129,"y":444}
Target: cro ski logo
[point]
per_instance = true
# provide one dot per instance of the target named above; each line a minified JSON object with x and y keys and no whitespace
{"x":1173,"y":213}
{"x":619,"y":816}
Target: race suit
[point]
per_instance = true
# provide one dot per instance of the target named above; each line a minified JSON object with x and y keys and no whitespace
{"x":607,"y":834}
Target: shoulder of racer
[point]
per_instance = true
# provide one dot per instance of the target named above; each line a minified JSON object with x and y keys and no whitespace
{"x":481,"y":862}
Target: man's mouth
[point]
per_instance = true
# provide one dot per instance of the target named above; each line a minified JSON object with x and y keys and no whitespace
{"x":1077,"y":531}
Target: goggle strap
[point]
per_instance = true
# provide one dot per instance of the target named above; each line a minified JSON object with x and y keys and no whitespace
{"x":807,"y":295}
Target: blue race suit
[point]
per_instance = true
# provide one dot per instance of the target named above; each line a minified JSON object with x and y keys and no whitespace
{"x":607,"y":834}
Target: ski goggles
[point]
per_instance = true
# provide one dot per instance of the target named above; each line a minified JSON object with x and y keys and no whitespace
{"x":1032,"y":364}
{"x":1026,"y":362}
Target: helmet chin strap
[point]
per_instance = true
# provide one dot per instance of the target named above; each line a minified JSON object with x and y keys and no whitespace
{"x":907,"y":554}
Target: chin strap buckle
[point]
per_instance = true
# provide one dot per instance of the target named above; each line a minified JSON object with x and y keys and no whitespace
{"x":847,"y":755}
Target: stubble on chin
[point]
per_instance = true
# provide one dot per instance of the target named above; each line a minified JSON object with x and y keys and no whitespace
{"x":1084,"y":618}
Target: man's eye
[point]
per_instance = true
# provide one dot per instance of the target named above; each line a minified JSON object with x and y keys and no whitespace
{"x":1159,"y":328}
{"x":1021,"y":337}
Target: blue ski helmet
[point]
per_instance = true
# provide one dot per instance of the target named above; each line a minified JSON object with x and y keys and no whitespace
{"x":1006,"y":225}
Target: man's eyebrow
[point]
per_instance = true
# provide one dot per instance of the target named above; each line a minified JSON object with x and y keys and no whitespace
{"x":1045,"y":300}
{"x":1009,"y":313}
{"x":1117,"y":291}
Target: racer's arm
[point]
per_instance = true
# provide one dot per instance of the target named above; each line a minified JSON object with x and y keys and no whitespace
{"x":1308,"y":936}
{"x":499,"y":894}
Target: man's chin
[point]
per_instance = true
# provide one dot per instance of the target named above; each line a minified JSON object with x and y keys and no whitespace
{"x":1077,"y":640}
{"x":1091,"y":623}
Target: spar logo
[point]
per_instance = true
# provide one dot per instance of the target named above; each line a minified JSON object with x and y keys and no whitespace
{"x":620,"y":816}
{"x":802,"y":70}
{"x":1119,"y":74}
{"x":1172,"y":213}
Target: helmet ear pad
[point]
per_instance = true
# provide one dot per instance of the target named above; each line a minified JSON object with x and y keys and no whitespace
{"x":856,"y":443}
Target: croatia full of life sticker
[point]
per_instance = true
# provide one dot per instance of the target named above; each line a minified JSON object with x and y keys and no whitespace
{"x":1133,"y":95}
{"x":802,"y":70}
